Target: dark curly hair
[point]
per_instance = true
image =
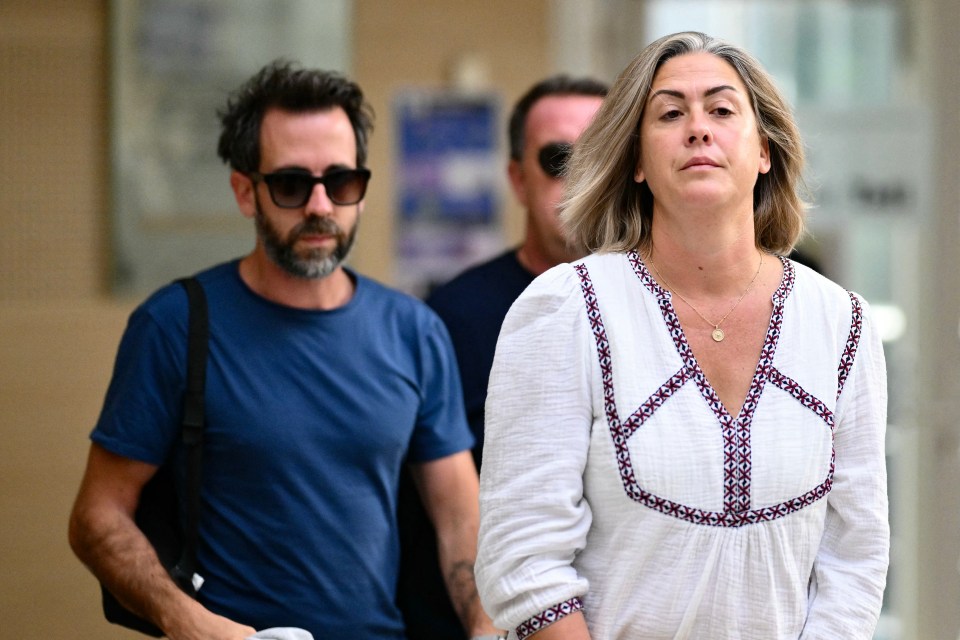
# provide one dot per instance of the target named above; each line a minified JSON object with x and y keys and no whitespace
{"x":284,"y":85}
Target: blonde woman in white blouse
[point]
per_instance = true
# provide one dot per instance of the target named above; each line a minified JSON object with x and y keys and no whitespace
{"x":685,"y":430}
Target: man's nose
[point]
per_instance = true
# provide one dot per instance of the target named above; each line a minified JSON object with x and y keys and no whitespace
{"x":319,"y":203}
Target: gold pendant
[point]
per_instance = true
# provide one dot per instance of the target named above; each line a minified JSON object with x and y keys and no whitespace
{"x":717,"y":334}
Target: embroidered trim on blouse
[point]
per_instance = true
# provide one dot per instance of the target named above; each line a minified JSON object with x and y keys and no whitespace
{"x":736,"y":430}
{"x":853,"y":341}
{"x":546,"y":618}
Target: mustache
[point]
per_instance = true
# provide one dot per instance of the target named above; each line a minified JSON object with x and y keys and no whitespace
{"x":316,"y":225}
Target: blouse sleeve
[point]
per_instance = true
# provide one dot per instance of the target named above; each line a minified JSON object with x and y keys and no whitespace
{"x":534,"y":518}
{"x":850,"y":569}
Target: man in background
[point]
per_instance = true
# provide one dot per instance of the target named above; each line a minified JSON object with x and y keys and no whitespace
{"x":544,"y":125}
{"x":320,"y":383}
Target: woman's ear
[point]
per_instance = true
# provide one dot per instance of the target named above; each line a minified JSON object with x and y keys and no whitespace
{"x":764,"y":154}
{"x":638,"y":174}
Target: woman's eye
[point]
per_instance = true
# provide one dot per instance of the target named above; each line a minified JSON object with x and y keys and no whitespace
{"x":723,"y":111}
{"x":672,"y":114}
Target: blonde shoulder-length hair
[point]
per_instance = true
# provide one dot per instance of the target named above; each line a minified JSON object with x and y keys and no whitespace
{"x":605,"y":210}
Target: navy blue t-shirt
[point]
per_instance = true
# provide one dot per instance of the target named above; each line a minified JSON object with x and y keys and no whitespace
{"x":473,"y":306}
{"x":310,"y":415}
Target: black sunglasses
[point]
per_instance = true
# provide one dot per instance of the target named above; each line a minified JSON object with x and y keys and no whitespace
{"x":553,"y":158}
{"x":292,"y":188}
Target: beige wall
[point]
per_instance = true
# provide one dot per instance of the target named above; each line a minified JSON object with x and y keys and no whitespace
{"x":59,"y":329}
{"x":52,"y":127}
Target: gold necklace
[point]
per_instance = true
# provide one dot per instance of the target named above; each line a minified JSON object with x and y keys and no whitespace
{"x":717,"y":334}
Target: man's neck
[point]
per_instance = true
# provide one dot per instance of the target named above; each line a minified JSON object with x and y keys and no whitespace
{"x":268,"y":280}
{"x":536,"y":259}
{"x":528,"y":260}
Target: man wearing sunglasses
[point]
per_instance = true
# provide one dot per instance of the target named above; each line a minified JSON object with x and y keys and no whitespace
{"x":544,"y":124}
{"x":320,"y":383}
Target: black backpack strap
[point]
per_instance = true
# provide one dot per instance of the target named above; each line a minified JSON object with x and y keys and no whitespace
{"x":192,"y":430}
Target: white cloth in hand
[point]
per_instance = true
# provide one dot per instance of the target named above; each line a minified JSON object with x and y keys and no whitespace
{"x":282,"y":633}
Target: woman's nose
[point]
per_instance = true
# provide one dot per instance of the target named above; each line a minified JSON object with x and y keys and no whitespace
{"x":699,"y":130}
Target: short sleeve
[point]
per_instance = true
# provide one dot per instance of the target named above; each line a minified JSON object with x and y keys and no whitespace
{"x":441,"y":428}
{"x":140,"y":418}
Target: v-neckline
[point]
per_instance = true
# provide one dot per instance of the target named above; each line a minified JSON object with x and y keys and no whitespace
{"x":690,"y":363}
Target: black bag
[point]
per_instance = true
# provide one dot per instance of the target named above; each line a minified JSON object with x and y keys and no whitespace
{"x":158,"y":512}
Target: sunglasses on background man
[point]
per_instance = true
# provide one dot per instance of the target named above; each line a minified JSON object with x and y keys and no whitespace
{"x":553,"y":158}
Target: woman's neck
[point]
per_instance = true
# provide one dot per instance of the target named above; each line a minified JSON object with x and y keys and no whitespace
{"x":703,"y":257}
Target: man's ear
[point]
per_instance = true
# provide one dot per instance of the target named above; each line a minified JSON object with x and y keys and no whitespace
{"x":515,"y":173}
{"x":244,"y":193}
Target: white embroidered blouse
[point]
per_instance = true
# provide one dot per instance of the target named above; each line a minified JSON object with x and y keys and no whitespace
{"x":616,"y":483}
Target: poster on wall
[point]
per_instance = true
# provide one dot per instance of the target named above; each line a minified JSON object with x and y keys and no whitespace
{"x":449,"y":185}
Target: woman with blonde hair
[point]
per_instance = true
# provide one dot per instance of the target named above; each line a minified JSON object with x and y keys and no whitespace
{"x":685,"y":429}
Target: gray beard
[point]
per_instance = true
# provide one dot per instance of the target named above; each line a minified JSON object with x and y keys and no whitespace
{"x":313,"y":264}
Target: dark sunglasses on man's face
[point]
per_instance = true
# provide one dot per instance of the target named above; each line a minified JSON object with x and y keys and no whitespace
{"x":553,"y":158}
{"x":292,"y":188}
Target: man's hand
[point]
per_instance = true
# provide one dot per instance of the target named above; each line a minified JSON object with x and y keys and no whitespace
{"x":105,"y":537}
{"x":201,"y":624}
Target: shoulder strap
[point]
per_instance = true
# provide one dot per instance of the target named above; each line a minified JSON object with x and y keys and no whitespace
{"x":192,"y":429}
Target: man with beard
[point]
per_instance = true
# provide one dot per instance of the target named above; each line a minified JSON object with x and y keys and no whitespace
{"x":320,"y":383}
